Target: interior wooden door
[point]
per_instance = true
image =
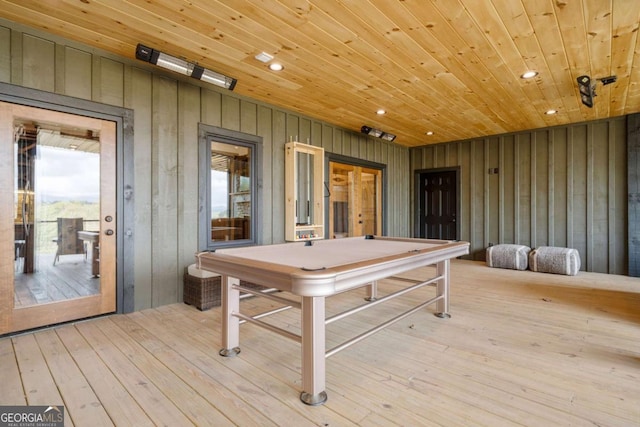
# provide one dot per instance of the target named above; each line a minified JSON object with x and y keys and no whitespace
{"x":57,"y":217}
{"x":355,"y":201}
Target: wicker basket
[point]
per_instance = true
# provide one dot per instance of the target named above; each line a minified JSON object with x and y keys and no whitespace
{"x":205,"y":293}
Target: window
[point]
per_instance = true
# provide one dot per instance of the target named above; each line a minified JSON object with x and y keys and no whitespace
{"x":229,"y":173}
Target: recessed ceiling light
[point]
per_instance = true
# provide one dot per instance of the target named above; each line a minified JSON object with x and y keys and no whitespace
{"x":264,"y":57}
{"x":529,"y":74}
{"x":276,"y":67}
{"x":429,"y":133}
{"x":380,"y":111}
{"x":551,"y":112}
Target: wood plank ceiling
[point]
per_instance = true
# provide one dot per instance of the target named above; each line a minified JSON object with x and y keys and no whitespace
{"x":451,"y":67}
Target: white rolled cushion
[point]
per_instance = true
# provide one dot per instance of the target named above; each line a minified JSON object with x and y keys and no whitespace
{"x":551,"y":259}
{"x":507,"y":255}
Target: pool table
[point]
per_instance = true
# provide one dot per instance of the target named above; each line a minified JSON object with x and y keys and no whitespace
{"x":318,"y":269}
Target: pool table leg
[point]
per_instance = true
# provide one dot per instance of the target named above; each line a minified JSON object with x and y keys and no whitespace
{"x":442,"y":288}
{"x":313,"y":351}
{"x":230,"y":323}
{"x":372,"y":291}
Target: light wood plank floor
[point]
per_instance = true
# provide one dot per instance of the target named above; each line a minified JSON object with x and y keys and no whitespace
{"x":522,"y":348}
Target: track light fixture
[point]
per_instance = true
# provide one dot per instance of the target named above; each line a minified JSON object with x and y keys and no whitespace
{"x":588,"y":88}
{"x":181,"y":66}
{"x":377,"y":133}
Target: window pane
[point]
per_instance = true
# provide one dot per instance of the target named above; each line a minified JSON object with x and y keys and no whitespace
{"x":230,"y":192}
{"x":57,"y":205}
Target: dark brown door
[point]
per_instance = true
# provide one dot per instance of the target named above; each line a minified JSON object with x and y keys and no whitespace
{"x":438,"y":202}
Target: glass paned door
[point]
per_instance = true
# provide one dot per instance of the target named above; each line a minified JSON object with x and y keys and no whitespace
{"x":355,"y":201}
{"x":57,"y":204}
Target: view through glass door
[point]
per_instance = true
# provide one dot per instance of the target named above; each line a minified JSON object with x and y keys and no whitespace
{"x":355,"y":201}
{"x":57,"y":206}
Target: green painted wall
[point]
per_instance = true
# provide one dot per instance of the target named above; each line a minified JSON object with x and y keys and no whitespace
{"x":563,"y":186}
{"x":167,"y":111}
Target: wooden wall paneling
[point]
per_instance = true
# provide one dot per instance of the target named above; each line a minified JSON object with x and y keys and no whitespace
{"x":558,"y":206}
{"x":524,"y":189}
{"x":492,"y":212}
{"x":111,"y":82}
{"x":415,"y":159}
{"x":540,"y":196}
{"x":76,"y":78}
{"x":477,"y":198}
{"x":280,"y":137}
{"x":337,"y":141}
{"x":516,"y":191}
{"x":391,"y":196}
{"x":370,"y":151}
{"x":420,"y":157}
{"x":532,"y":191}
{"x":15,"y":57}
{"x":346,"y":144}
{"x":293,"y":129}
{"x":356,"y":140}
{"x":598,"y":233}
{"x":126,"y":253}
{"x":265,"y":129}
{"x":633,"y":193}
{"x":5,"y":55}
{"x":230,"y":112}
{"x":465,"y":190}
{"x":139,"y":99}
{"x":211,"y":108}
{"x":304,"y":130}
{"x":507,"y":204}
{"x":486,"y":193}
{"x":188,"y":193}
{"x":316,"y":134}
{"x":400,"y":187}
{"x":451,"y":155}
{"x":248,"y":117}
{"x":327,"y":138}
{"x":38,"y":61}
{"x":363,"y":143}
{"x":618,"y":197}
{"x":164,"y":191}
{"x":552,"y":189}
{"x":441,"y":155}
{"x":578,"y":179}
{"x":59,"y":70}
{"x":589,"y":198}
{"x":381,"y":153}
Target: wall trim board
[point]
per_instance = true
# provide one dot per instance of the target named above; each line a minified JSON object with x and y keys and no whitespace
{"x":633,"y":189}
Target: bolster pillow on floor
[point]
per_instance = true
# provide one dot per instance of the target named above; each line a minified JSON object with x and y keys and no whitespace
{"x":508,"y":256}
{"x":549,"y":259}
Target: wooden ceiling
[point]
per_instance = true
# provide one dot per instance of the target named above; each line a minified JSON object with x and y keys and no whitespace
{"x":449,"y":66}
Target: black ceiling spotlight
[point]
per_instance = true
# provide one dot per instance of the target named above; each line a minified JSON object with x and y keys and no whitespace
{"x":587,"y":90}
{"x":181,"y":66}
{"x":377,"y":133}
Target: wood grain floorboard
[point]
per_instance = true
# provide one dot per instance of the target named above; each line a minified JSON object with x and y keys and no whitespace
{"x":521,"y":349}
